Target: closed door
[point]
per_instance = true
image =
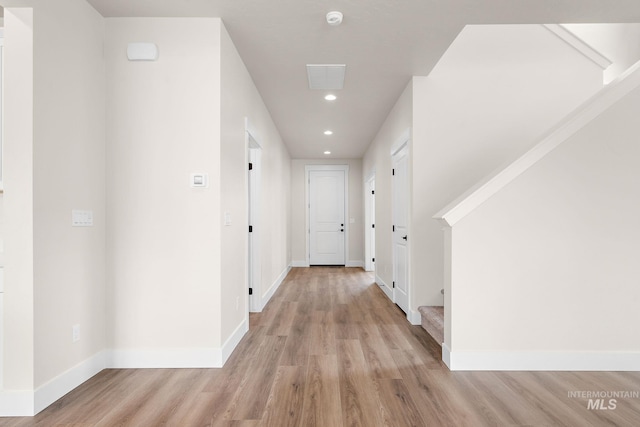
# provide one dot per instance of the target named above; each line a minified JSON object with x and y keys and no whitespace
{"x":370,"y":236}
{"x":326,"y":217}
{"x":255,"y":292}
{"x":400,"y":177}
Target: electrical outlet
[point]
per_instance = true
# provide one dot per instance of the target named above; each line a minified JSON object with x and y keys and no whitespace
{"x":76,"y":333}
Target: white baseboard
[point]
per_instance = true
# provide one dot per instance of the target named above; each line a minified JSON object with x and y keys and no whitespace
{"x":29,"y":403}
{"x":540,"y":361}
{"x":54,"y":389}
{"x":272,"y":289}
{"x":355,"y":264}
{"x":166,"y":358}
{"x":232,"y":342}
{"x":299,"y":264}
{"x":414,"y":317}
{"x":446,"y":355}
{"x":385,"y":288}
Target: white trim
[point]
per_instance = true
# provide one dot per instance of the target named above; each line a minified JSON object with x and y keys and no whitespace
{"x":355,"y":263}
{"x":388,"y":291}
{"x":402,"y":140}
{"x":446,"y":355}
{"x":579,"y":45}
{"x":541,"y":360}
{"x":54,"y":389}
{"x":414,"y":317}
{"x":300,"y":263}
{"x":274,"y":287}
{"x":345,"y":169}
{"x":571,"y":124}
{"x":232,"y":342}
{"x":16,"y":404}
{"x":29,"y":403}
{"x":165,"y":358}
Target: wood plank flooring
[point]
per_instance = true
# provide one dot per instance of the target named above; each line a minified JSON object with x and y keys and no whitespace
{"x":331,"y":350}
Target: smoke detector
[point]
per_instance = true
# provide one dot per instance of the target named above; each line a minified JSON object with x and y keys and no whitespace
{"x":334,"y":18}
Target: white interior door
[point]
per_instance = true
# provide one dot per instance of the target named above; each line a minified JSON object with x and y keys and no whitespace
{"x":327,"y":217}
{"x":400,"y":162}
{"x":370,"y":231}
{"x":253,"y":261}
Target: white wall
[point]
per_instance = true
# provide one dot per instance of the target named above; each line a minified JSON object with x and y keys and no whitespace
{"x":150,"y":294}
{"x":554,"y":255}
{"x":377,"y":160}
{"x":54,"y":162}
{"x":68,"y":173}
{"x":239,"y":100}
{"x":493,"y":93}
{"x":171,"y":286}
{"x":164,"y":240}
{"x":18,"y":334}
{"x":355,"y":256}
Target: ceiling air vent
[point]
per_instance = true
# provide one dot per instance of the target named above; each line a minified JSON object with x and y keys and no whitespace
{"x":326,"y":77}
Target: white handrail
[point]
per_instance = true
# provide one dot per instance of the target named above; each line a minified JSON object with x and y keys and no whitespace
{"x":568,"y":126}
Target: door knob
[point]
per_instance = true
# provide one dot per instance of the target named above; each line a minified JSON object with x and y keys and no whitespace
{"x":404,"y":238}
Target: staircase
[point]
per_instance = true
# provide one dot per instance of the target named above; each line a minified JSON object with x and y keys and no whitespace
{"x":433,"y":322}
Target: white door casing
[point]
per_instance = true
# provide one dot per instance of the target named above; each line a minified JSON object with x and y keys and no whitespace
{"x":400,"y":188}
{"x":327,"y":215}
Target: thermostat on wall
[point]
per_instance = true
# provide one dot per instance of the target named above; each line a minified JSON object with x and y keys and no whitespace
{"x":199,"y":180}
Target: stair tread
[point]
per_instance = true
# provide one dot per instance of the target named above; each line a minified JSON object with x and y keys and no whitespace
{"x":433,"y":321}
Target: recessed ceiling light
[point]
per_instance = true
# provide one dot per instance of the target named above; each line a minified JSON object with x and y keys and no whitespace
{"x":331,"y":97}
{"x":327,"y":152}
{"x":328,"y":132}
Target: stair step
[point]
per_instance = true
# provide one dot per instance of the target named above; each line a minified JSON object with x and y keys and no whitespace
{"x":433,"y":321}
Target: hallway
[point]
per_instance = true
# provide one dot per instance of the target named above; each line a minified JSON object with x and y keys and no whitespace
{"x":331,"y":350}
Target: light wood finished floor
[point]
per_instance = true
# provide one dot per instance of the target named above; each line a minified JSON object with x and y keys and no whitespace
{"x":331,"y":350}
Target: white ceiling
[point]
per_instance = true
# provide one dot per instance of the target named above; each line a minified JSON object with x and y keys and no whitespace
{"x":383,"y":43}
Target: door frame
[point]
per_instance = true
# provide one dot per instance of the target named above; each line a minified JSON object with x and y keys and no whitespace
{"x":403,"y":142}
{"x":254,"y":268}
{"x":307,"y":172}
{"x":369,"y":221}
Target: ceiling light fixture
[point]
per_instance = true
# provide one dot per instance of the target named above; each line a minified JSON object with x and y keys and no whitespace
{"x":334,"y":18}
{"x":330,"y":97}
{"x":328,"y":132}
{"x":327,"y":152}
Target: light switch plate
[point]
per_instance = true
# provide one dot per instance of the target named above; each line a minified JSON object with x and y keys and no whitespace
{"x":199,"y":180}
